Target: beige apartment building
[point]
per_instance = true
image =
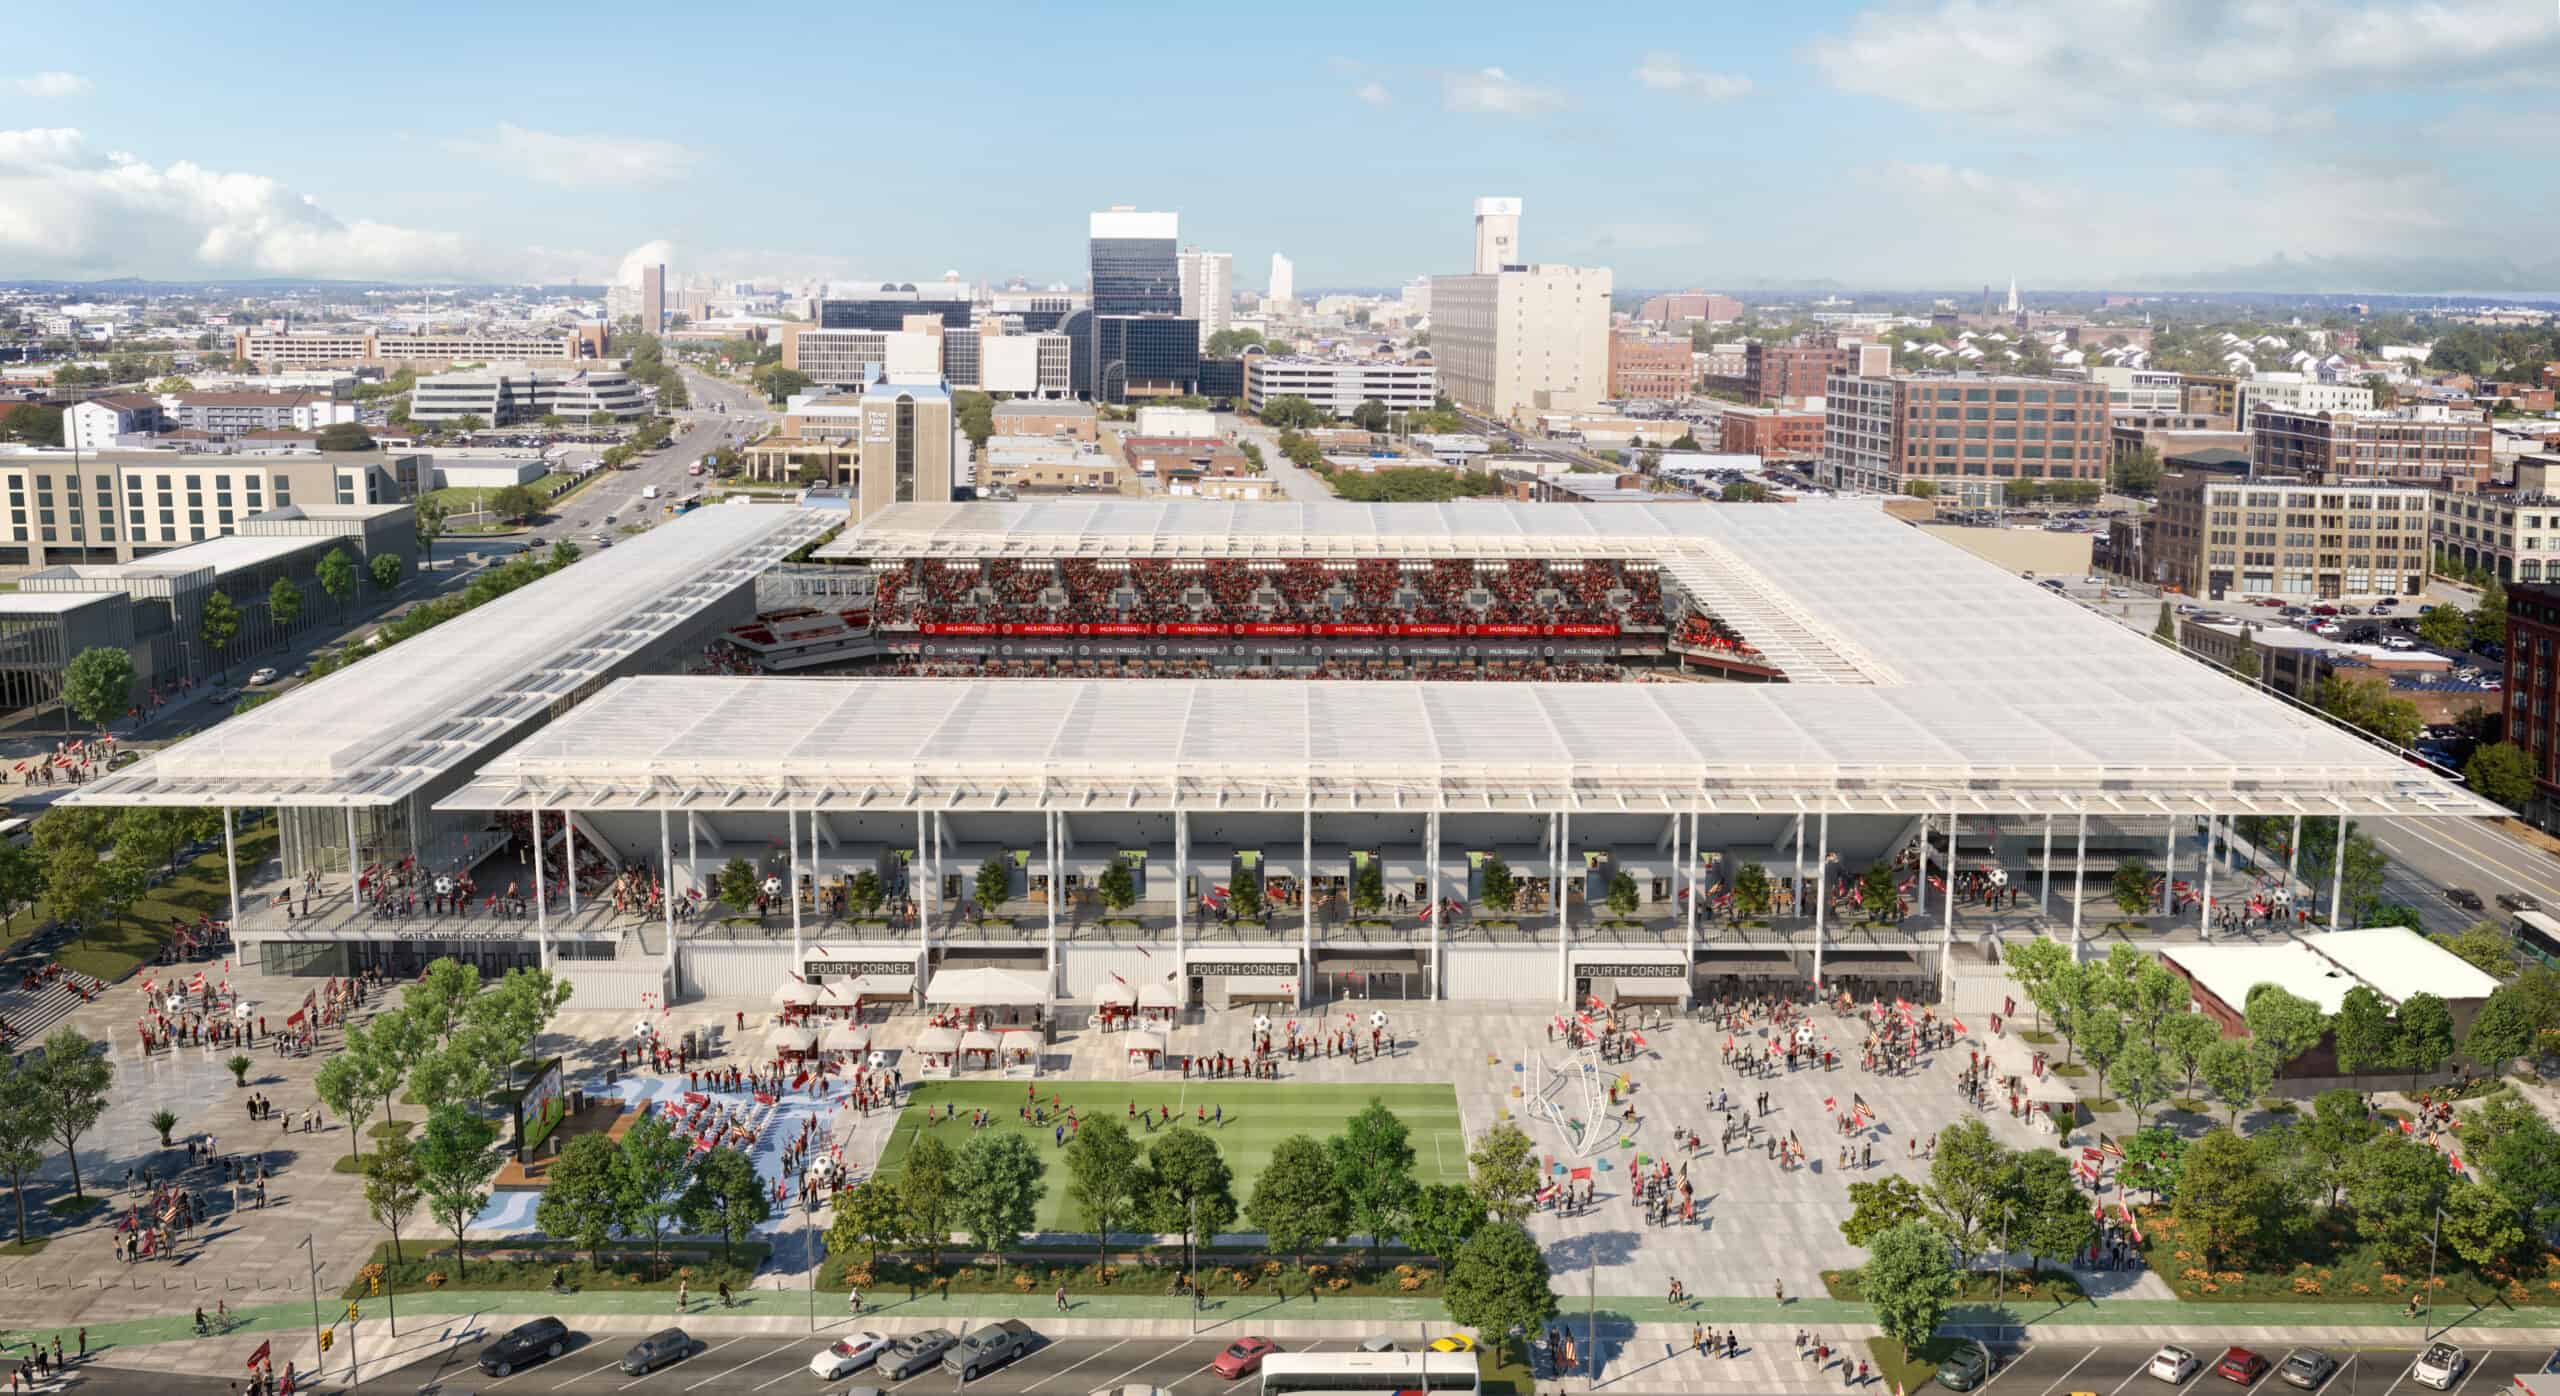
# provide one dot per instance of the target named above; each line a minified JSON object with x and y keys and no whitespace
{"x":1534,"y":339}
{"x":2425,"y":445}
{"x":2512,"y":532}
{"x":117,"y":506}
{"x":2218,"y":535}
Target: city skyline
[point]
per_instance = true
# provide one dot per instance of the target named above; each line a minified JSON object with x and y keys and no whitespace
{"x":2341,"y":145}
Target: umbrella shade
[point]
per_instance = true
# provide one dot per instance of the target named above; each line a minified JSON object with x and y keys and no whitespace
{"x":1144,"y":1040}
{"x":938,"y":1040}
{"x":844,"y":1037}
{"x":1157,"y":996}
{"x":795,"y":992}
{"x":977,"y":1040}
{"x":791,"y":1040}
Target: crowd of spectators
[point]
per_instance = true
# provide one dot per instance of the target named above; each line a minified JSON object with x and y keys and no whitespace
{"x":1497,"y":671}
{"x":1520,"y":591}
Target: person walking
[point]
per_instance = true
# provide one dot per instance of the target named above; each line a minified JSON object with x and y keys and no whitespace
{"x":1062,"y":1299}
{"x":684,"y":1296}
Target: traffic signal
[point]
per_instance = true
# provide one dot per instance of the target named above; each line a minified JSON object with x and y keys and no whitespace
{"x":377,"y":1285}
{"x":327,"y":1336}
{"x":353,"y":1313}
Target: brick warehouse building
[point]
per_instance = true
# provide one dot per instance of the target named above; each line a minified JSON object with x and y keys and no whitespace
{"x":1771,"y":433}
{"x":1648,"y":366}
{"x":2533,"y":705}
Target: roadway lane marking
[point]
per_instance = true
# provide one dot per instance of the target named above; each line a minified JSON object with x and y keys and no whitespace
{"x":800,"y":1371}
{"x":2472,"y":1371}
{"x":2404,"y":1374}
{"x":706,"y":1352}
{"x":2138,"y":1374}
{"x":582,"y":1376}
{"x":1088,"y":1357}
{"x":2494,"y":867}
{"x":1159,"y":1357}
{"x":2066,"y":1376}
{"x":2005,"y":1368}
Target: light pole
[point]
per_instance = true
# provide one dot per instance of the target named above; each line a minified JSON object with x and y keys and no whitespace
{"x":2433,"y":1236}
{"x":319,"y":1359}
{"x":808,"y":1227}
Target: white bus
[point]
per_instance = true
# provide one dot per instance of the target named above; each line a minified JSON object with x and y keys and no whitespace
{"x":1367,"y":1373}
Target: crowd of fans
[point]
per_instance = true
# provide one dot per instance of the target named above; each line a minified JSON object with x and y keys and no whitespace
{"x":1520,"y":591}
{"x":1498,"y":671}
{"x":1707,"y":633}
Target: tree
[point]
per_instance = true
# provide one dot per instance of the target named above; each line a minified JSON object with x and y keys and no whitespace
{"x":2046,"y":1211}
{"x":2520,"y":1156}
{"x":926,"y":1189}
{"x":581,"y":1200}
{"x":976,"y":414}
{"x":1244,"y":898}
{"x":430,"y":517}
{"x":1370,"y":415}
{"x":737,"y":884}
{"x":999,"y":1181}
{"x":871,"y":1217}
{"x":2141,"y":1078}
{"x":1445,"y":1217}
{"x":284,"y":603}
{"x":97,"y":685}
{"x":1908,"y":1280}
{"x":553,"y":421}
{"x":2152,"y":1161}
{"x":563,"y":553}
{"x":2394,"y":1188}
{"x":778,"y":383}
{"x":2365,"y":1037}
{"x":1878,"y":893}
{"x":2224,"y":1194}
{"x":1102,"y":1179}
{"x":1290,"y":412}
{"x":1117,"y":886}
{"x":2484,"y":944}
{"x":2502,"y":1031}
{"x":2037,"y":964}
{"x":2165,"y":629}
{"x":1622,"y":893}
{"x":467,"y":423}
{"x":1920,"y":489}
{"x":337,"y":573}
{"x":2288,"y":1024}
{"x":1295,"y":1204}
{"x":1503,"y":1166}
{"x":1226,"y":344}
{"x":2445,"y":627}
{"x":385,"y":570}
{"x":25,"y":1130}
{"x":865,"y":893}
{"x":345,"y":436}
{"x":75,"y":887}
{"x":653,"y":1169}
{"x":515,"y":502}
{"x":995,"y":882}
{"x":2367,"y":704}
{"x":218,"y":621}
{"x":1189,"y":1188}
{"x":1373,"y":1167}
{"x":1369,"y":887}
{"x":341,"y":1086}
{"x":1751,"y":890}
{"x":2489,"y":617}
{"x":1495,"y":883}
{"x":1966,"y":1182}
{"x":2483,"y":1225}
{"x":2132,"y":886}
{"x":2425,"y":1040}
{"x":2137,"y":472}
{"x":2502,"y":772}
{"x":1745,"y":492}
{"x":2237,"y":1073}
{"x":2151,"y":996}
{"x":393,"y":1186}
{"x":1881,"y":1205}
{"x":2244,"y":665}
{"x":2101,"y":1038}
{"x":1499,"y":1283}
{"x":455,"y":1158}
{"x":730,"y":1201}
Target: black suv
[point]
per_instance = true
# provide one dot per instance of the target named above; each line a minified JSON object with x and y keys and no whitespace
{"x":989,"y":1348}
{"x":538,"y":1341}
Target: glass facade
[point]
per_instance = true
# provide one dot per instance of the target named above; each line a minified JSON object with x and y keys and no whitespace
{"x":904,"y":471}
{"x":1154,"y":353}
{"x":1222,"y":378}
{"x":1135,"y":276}
{"x":889,"y":313}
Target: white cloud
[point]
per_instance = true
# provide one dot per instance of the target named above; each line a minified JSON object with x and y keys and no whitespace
{"x":647,"y":254}
{"x":69,"y":210}
{"x":578,"y":162}
{"x":1664,"y":72}
{"x":2244,"y":66}
{"x":1374,"y":93}
{"x":1495,"y":92}
{"x":49,"y":85}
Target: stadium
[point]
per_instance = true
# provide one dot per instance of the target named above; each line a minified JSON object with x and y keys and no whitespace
{"x":1222,"y":753}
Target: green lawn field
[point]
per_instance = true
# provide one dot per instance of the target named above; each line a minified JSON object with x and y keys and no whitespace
{"x":1259,"y":1114}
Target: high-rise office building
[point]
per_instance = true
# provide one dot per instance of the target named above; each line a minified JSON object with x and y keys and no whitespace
{"x":1208,"y":289}
{"x":1136,"y":341}
{"x":653,"y":297}
{"x":1284,"y":280}
{"x":1531,"y":339}
{"x":1497,"y":235}
{"x":888,"y":307}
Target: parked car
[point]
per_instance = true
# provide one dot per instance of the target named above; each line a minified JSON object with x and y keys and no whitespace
{"x":2306,"y":1368}
{"x":1455,"y":1342}
{"x":1379,"y":1344}
{"x":524,"y":1345}
{"x":657,"y":1350}
{"x":2240,"y":1365}
{"x":846,"y":1356}
{"x":1969,"y":1366}
{"x":916,"y":1352}
{"x":1242,"y":1358}
{"x":2173,"y":1364}
{"x":2519,"y":901}
{"x":260,"y":678}
{"x":2440,"y":1366}
{"x":2324,"y":609}
{"x":989,"y":1348}
{"x":2463,"y":897}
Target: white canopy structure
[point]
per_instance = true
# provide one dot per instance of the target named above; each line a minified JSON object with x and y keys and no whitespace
{"x":1145,"y":1040}
{"x":879,"y":986}
{"x":985,"y":988}
{"x":1021,"y":1040}
{"x":790,"y":1040}
{"x":796,"y":993}
{"x":942,"y":1040}
{"x":979,"y":1040}
{"x":1158,"y":996}
{"x":845,"y":1037}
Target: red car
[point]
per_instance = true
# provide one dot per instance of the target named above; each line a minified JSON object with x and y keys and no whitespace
{"x":2240,"y":1365}
{"x":1242,"y":1358}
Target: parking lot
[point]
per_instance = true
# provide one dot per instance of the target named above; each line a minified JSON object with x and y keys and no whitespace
{"x":2059,"y":1369}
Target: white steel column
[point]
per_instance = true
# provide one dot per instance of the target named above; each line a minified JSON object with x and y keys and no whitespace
{"x":1795,"y":906}
{"x":1947,"y":938}
{"x":791,"y":883}
{"x":1689,"y":955}
{"x":1049,"y":826}
{"x":541,"y":893}
{"x":569,"y":856}
{"x":2338,"y":874}
{"x":2292,"y":860}
{"x":2204,"y":904}
{"x":1181,"y":878}
{"x":667,"y":873}
{"x":2044,"y":893}
{"x":920,"y":885}
{"x":1307,"y":890}
{"x":1927,"y":855}
{"x":231,"y":871}
{"x":352,"y":866}
{"x":817,"y":867}
{"x":2169,"y":870}
{"x":1821,"y":891}
{"x":1431,"y":880}
{"x":2079,"y":875}
{"x":692,"y":854}
{"x":1562,"y":832}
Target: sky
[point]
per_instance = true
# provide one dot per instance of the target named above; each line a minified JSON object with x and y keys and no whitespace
{"x":1869,"y":143}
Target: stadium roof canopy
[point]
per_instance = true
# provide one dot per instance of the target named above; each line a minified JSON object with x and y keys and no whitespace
{"x":385,"y":728}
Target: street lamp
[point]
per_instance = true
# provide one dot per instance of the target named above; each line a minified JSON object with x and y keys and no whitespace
{"x":319,"y":1359}
{"x":2433,"y":1236}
